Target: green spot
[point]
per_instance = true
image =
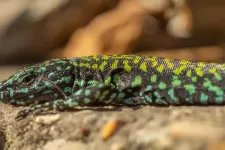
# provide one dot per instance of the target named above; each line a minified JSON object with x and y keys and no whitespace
{"x":190,"y":88}
{"x":199,"y":71}
{"x":96,"y":58}
{"x":102,"y":66}
{"x":69,"y":102}
{"x":154,"y":63}
{"x":179,"y":70}
{"x":31,"y":96}
{"x":121,"y":95}
{"x":2,"y":96}
{"x":162,"y":86}
{"x":68,"y":67}
{"x":43,"y":68}
{"x":21,"y":103}
{"x":9,"y":89}
{"x":148,"y":99}
{"x":75,"y":64}
{"x":47,"y":92}
{"x":216,"y":90}
{"x":160,"y":68}
{"x":173,"y":97}
{"x":116,"y":78}
{"x":194,"y":79}
{"x":168,"y":62}
{"x":189,"y":73}
{"x":105,"y":57}
{"x":66,"y":79}
{"x":127,"y":67}
{"x":204,"y":98}
{"x":136,"y":60}
{"x":68,"y":90}
{"x":189,"y":100}
{"x":207,"y":83}
{"x":218,"y":76}
{"x":48,"y":84}
{"x":23,"y":90}
{"x":114,"y":64}
{"x":11,"y":92}
{"x":58,"y":68}
{"x":153,"y":78}
{"x":92,"y":82}
{"x":87,"y":100}
{"x":108,"y":80}
{"x":78,"y":92}
{"x":128,"y":101}
{"x":100,"y":85}
{"x":137,"y":81}
{"x":160,"y":101}
{"x":82,"y":82}
{"x":219,"y":99}
{"x":176,"y":82}
{"x":148,"y":88}
{"x":94,"y":66}
{"x":213,"y":70}
{"x":85,"y":65}
{"x":143,"y":67}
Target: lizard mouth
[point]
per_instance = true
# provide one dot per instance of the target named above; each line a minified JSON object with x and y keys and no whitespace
{"x":40,"y":99}
{"x":6,"y":98}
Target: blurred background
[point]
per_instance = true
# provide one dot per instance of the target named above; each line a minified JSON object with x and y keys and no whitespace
{"x":33,"y":31}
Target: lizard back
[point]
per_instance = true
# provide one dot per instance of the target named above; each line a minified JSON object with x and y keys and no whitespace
{"x":174,"y":81}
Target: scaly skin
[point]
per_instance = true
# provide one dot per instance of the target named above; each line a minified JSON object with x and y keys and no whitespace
{"x":114,"y":80}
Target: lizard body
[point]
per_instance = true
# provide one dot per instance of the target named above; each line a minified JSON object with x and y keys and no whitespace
{"x":114,"y":80}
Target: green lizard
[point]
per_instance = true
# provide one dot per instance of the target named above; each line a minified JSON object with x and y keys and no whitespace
{"x":114,"y":80}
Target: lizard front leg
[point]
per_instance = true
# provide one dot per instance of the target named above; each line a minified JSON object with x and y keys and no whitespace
{"x":94,"y":94}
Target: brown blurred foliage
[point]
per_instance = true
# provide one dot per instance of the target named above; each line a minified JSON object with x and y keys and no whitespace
{"x":32,"y":31}
{"x":118,"y":30}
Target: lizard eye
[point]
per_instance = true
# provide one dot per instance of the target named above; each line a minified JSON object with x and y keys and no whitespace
{"x":28,"y":79}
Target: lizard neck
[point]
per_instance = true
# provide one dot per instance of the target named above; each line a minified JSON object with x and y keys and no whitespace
{"x":86,"y":72}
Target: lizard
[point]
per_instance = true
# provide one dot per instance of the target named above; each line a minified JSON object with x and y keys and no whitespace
{"x":121,"y":80}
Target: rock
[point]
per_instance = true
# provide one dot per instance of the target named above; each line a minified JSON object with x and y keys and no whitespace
{"x":195,"y":131}
{"x":54,"y":145}
{"x":61,"y":144}
{"x":118,"y":146}
{"x":47,"y":119}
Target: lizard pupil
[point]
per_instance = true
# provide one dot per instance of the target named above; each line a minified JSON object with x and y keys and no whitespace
{"x":52,"y":76}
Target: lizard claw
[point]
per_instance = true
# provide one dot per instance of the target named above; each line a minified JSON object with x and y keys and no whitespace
{"x":22,"y":114}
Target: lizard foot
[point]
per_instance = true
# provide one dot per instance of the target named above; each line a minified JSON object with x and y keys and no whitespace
{"x":40,"y":108}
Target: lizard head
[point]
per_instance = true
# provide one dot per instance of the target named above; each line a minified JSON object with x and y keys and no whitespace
{"x":38,"y":83}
